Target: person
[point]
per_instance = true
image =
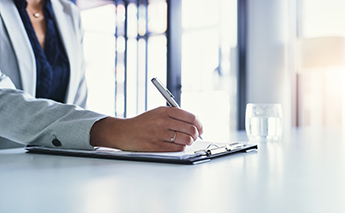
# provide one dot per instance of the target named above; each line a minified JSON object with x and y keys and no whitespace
{"x":43,"y":89}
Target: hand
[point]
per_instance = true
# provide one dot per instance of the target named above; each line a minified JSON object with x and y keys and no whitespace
{"x":151,"y":131}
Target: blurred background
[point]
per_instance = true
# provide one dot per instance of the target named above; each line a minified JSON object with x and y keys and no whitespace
{"x":217,"y":56}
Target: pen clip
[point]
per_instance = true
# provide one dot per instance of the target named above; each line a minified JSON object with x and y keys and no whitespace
{"x":171,"y":95}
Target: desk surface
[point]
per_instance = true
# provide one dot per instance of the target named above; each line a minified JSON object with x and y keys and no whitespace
{"x":304,"y":172}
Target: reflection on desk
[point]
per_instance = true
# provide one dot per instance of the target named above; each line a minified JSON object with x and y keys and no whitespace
{"x":305,"y":172}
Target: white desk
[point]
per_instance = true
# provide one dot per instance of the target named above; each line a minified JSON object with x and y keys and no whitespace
{"x":303,"y":173}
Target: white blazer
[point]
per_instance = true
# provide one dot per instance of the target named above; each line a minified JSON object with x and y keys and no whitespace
{"x":23,"y":118}
{"x":17,"y":57}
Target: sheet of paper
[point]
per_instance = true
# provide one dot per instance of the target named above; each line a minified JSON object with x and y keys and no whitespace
{"x":189,"y":151}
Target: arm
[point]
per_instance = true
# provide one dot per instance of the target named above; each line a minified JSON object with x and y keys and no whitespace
{"x":25,"y":119}
{"x":28,"y":120}
{"x":38,"y":121}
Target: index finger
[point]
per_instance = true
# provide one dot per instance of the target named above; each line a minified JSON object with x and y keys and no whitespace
{"x":184,"y":116}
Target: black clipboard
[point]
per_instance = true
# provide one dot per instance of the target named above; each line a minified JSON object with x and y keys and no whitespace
{"x":198,"y":156}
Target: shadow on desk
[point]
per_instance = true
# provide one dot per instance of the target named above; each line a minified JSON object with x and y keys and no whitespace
{"x":6,"y":144}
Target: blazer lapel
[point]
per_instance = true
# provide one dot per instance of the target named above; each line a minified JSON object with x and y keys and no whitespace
{"x":63,"y":18}
{"x":21,"y":45}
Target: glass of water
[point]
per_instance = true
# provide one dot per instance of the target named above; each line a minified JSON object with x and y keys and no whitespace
{"x":264,"y":122}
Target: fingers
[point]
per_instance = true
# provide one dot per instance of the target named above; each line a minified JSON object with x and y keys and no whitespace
{"x":187,"y":130}
{"x":180,"y":138}
{"x":167,"y":145}
{"x":185,"y":122}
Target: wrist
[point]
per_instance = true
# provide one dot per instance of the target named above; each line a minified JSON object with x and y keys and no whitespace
{"x":108,"y":132}
{"x":98,"y":132}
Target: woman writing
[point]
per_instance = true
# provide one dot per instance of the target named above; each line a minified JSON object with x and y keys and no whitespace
{"x":43,"y":90}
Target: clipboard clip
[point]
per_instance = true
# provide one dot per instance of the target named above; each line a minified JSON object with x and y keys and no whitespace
{"x":214,"y":149}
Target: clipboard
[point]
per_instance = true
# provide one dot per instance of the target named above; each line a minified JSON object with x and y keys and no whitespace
{"x":191,"y":156}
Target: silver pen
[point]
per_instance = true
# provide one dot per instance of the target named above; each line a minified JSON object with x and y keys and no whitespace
{"x":169,"y":97}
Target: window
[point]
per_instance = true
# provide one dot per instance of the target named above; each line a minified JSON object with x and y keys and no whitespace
{"x":320,"y":75}
{"x":126,"y":44}
{"x":99,"y":53}
{"x":140,"y":55}
{"x":209,"y":68}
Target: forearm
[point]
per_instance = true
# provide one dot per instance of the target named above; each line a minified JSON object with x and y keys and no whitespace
{"x":24,"y":119}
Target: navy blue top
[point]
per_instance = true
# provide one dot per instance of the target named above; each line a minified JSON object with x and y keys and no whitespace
{"x":52,"y":63}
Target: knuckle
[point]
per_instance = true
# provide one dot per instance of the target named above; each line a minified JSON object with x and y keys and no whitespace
{"x":172,"y":111}
{"x":190,"y":140}
{"x":194,"y":131}
{"x":162,"y":110}
{"x":194,"y":118}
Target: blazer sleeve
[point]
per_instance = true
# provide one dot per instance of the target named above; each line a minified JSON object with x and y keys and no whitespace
{"x":27,"y":120}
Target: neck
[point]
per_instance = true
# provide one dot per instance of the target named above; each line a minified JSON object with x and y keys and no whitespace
{"x":35,"y":8}
{"x":36,"y":4}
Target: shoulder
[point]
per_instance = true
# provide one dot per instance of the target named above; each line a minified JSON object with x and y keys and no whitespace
{"x":66,"y":11}
{"x":66,"y":5}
